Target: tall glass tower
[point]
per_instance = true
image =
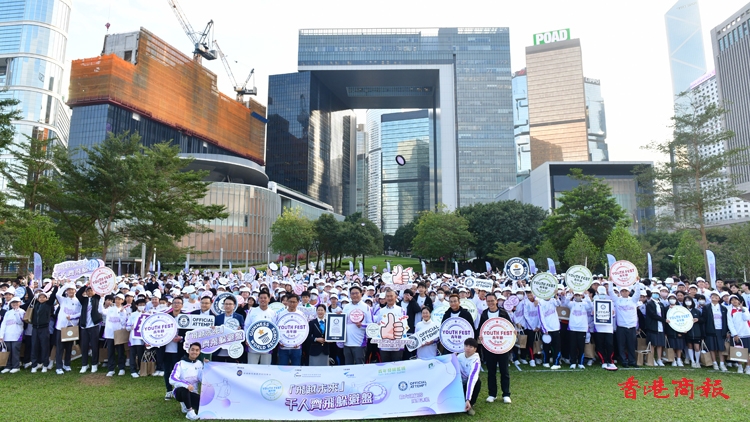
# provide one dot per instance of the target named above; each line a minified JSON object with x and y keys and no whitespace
{"x":33,"y":38}
{"x":687,"y":59}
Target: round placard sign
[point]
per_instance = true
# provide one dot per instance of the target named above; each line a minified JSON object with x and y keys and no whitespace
{"x":103,"y":281}
{"x":356,"y":315}
{"x":387,"y":278}
{"x":262,"y":336}
{"x":623,"y":273}
{"x":498,"y":335}
{"x":373,"y":330}
{"x":470,"y":282}
{"x":20,"y":292}
{"x":471,"y":307}
{"x":511,"y":302}
{"x":217,"y":308}
{"x":544,"y":285}
{"x":516,"y":269}
{"x":453,"y":332}
{"x":680,"y":319}
{"x":158,"y":329}
{"x":578,"y":278}
{"x":276,"y":307}
{"x":437,"y":313}
{"x":293,"y":329}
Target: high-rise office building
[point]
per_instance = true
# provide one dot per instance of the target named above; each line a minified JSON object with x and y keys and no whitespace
{"x":311,"y":140}
{"x":731,"y":51}
{"x":362,"y":169}
{"x":33,"y":39}
{"x":596,"y":120}
{"x":687,"y":59}
{"x":521,"y":124}
{"x":406,"y":186}
{"x":463,"y":72}
{"x":735,"y":209}
{"x":557,"y":102}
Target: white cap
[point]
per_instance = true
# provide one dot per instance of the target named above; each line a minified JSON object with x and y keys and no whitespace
{"x":120,"y":295}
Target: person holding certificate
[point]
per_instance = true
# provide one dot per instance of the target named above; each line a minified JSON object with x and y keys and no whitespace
{"x":318,"y":348}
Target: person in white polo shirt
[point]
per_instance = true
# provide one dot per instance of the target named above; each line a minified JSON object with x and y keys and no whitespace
{"x":259,"y":313}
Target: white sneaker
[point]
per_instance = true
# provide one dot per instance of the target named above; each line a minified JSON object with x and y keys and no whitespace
{"x":747,"y":369}
{"x":127,"y":362}
{"x":184,"y":408}
{"x":27,"y":365}
{"x":532,"y":364}
{"x":121,"y":373}
{"x":739,"y":369}
{"x":518,"y":366}
{"x":566,"y":361}
{"x":94,"y":368}
{"x":674,"y":362}
{"x":516,"y":362}
{"x":84,"y":369}
{"x":51,"y":365}
{"x":169,"y":395}
{"x":134,"y":375}
{"x":723,"y":367}
{"x":555,"y":367}
{"x":5,"y":371}
{"x":157,"y":374}
{"x":660,"y":363}
{"x":679,"y":362}
{"x":573,"y":366}
{"x":523,"y":361}
{"x":110,"y":373}
{"x":191,"y":415}
{"x":60,"y":372}
{"x":581,"y":367}
{"x":605,"y":365}
{"x":34,"y":369}
{"x":611,"y":367}
{"x":590,"y":362}
{"x":506,"y":400}
{"x":716,"y":366}
{"x":44,"y":369}
{"x":538,"y":361}
{"x":546,"y":365}
{"x":490,"y":399}
{"x":696,"y":365}
{"x":67,"y":368}
{"x":14,"y":370}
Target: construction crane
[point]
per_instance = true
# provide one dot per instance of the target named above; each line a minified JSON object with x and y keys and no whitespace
{"x":240,"y":90}
{"x":201,"y":40}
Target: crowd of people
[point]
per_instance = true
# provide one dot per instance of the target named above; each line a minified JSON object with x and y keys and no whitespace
{"x":35,"y":314}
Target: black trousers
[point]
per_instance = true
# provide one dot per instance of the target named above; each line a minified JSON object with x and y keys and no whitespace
{"x":626,"y":345}
{"x":40,"y":346}
{"x":493,"y":362}
{"x":605,"y":347}
{"x":475,"y":393}
{"x":577,"y":341}
{"x":552,"y":349}
{"x":169,"y":360}
{"x":391,"y":356}
{"x":61,"y":347}
{"x":26,"y":358}
{"x":111,"y":350}
{"x":136,"y":354}
{"x":89,"y":341}
{"x":191,"y":400}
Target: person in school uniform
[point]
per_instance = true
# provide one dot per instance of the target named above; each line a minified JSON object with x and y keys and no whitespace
{"x":694,"y":337}
{"x":69,"y":312}
{"x":11,"y":333}
{"x":318,"y":349}
{"x":40,"y":320}
{"x":738,"y":320}
{"x":716,"y":330}
{"x":626,"y":313}
{"x":656,"y":320}
{"x":550,"y":323}
{"x":492,"y":360}
{"x":578,"y":325}
{"x":136,"y":344}
{"x":115,"y":318}
{"x":88,"y":327}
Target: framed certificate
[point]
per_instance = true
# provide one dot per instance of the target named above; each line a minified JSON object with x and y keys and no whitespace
{"x":602,"y":311}
{"x":335,"y":328}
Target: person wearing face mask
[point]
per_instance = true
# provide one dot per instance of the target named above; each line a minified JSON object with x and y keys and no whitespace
{"x":190,"y":300}
{"x":626,"y":313}
{"x":604,"y":336}
{"x":115,"y":318}
{"x":655,"y":326}
{"x":716,"y":329}
{"x":578,"y":324}
{"x":695,"y":336}
{"x":68,"y":315}
{"x":440,"y":300}
{"x":738,"y":320}
{"x":11,"y":333}
{"x":136,"y":344}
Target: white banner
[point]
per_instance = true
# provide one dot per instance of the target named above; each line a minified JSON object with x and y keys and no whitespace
{"x":394,"y":390}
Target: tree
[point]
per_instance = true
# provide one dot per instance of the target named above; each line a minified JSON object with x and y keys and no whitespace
{"x":442,"y":234}
{"x":688,"y":256}
{"x":546,"y":250}
{"x":661,"y":244}
{"x":582,"y":251}
{"x":505,"y":251}
{"x":694,"y":181}
{"x":30,"y":171}
{"x":291,"y":232}
{"x":169,"y":203}
{"x":733,"y":255}
{"x":589,"y":207}
{"x":37,"y":234}
{"x":625,"y":246}
{"x":503,"y":222}
{"x":326,"y":229}
{"x":387,"y":242}
{"x":360,"y":237}
{"x":8,"y":114}
{"x":404,"y":236}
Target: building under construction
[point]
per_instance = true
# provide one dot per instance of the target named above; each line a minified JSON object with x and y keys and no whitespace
{"x":141,"y":73}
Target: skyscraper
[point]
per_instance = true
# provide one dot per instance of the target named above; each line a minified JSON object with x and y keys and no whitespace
{"x":731,"y":51}
{"x":521,"y":124}
{"x":557,"y":102}
{"x":33,"y":39}
{"x":596,"y":120}
{"x":463,"y":72}
{"x":362,"y":169}
{"x":687,"y":59}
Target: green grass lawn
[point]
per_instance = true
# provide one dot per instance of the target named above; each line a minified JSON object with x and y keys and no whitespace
{"x":379,"y":261}
{"x":538,"y":395}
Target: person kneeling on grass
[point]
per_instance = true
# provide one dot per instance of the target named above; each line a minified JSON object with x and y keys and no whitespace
{"x":469,"y":361}
{"x":185,"y":377}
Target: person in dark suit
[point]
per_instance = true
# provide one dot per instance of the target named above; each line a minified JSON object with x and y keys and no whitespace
{"x":318,"y":348}
{"x":656,"y":322}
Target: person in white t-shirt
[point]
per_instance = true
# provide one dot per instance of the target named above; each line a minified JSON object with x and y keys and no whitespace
{"x":427,"y":350}
{"x":262,"y":312}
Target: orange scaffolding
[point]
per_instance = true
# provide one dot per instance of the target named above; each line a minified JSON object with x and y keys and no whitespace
{"x":167,"y":86}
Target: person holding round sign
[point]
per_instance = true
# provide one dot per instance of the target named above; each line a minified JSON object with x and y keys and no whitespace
{"x":656,"y":317}
{"x":578,"y":325}
{"x":626,"y":312}
{"x":290,"y":354}
{"x":357,"y":317}
{"x":492,"y":360}
{"x":233,"y":321}
{"x":456,"y":310}
{"x":426,"y":350}
{"x":260,"y":313}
